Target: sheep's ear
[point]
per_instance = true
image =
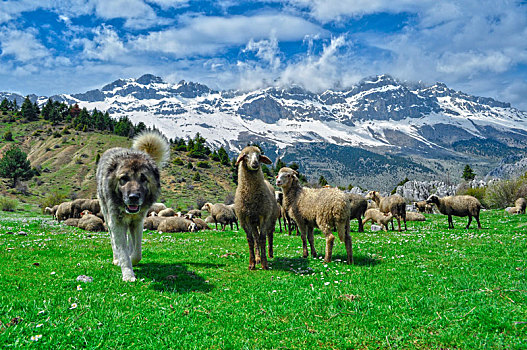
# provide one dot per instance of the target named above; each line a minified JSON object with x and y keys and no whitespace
{"x":265,"y":159}
{"x":295,"y":172}
{"x":240,"y":158}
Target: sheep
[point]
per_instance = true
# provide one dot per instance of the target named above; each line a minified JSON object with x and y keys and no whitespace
{"x":255,"y":205}
{"x":221,"y":213}
{"x":210,"y":220}
{"x":392,"y":204}
{"x":457,"y":206}
{"x":176,"y":224}
{"x":72,"y":222}
{"x":168,"y":212}
{"x":63,"y":211}
{"x":200,"y":224}
{"x":359,"y":205}
{"x":375,"y":215}
{"x":520,"y":203}
{"x":326,"y":208}
{"x":90,"y":222}
{"x":156,"y":208}
{"x":152,"y":222}
{"x":423,"y":207}
{"x":413,"y":216}
{"x":234,"y":218}
{"x":195,"y":213}
{"x":512,"y":210}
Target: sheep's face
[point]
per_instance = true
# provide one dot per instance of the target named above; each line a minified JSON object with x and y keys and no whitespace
{"x":206,"y":207}
{"x":372,"y":195}
{"x":192,"y":227}
{"x":252,"y":157}
{"x":432,"y":199}
{"x":285,"y":177}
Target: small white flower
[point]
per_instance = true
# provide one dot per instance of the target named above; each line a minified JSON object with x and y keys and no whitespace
{"x":41,"y":312}
{"x":52,"y":273}
{"x":79,"y":287}
{"x":336,"y":281}
{"x":326,"y":283}
{"x":73,"y":306}
{"x":36,"y":337}
{"x":39,"y":325}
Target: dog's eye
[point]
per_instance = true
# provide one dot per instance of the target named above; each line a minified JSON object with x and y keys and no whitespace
{"x":143,"y":178}
{"x":124,"y":179}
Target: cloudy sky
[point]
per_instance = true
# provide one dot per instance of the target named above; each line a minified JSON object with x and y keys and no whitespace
{"x":61,"y":46}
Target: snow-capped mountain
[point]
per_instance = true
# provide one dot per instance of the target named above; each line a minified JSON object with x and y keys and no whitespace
{"x":380,"y":126}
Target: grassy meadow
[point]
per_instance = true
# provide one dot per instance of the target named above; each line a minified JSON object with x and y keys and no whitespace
{"x":429,"y":287}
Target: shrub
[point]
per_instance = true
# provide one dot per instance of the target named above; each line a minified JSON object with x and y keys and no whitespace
{"x":200,"y":202}
{"x":189,"y":165}
{"x":501,"y":194}
{"x":8,"y":204}
{"x":56,"y":134}
{"x":479,"y":193}
{"x":178,"y":161}
{"x":196,"y":177}
{"x":203,"y":164}
{"x":52,"y":199}
{"x":8,"y":136}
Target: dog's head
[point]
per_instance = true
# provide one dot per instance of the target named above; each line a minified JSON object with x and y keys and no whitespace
{"x":137,"y":184}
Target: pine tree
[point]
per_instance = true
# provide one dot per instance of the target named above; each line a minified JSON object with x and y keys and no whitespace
{"x":15,"y":165}
{"x":279,"y":165}
{"x":468,"y":173}
{"x":46,"y":110}
{"x":322,"y":181}
{"x":224,"y":156}
{"x":28,"y":110}
{"x":4,"y":106}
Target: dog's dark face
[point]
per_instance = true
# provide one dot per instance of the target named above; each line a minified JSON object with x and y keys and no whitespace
{"x":136,"y":185}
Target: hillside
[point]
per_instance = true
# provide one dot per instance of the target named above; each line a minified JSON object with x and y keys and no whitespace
{"x":66,"y":160}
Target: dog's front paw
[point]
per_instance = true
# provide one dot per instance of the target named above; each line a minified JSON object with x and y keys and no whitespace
{"x":115,"y":262}
{"x":129,"y":278}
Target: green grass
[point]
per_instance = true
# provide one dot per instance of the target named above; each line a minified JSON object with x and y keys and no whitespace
{"x":429,"y":287}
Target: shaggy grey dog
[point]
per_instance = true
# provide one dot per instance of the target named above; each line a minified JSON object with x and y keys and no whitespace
{"x":128,"y":183}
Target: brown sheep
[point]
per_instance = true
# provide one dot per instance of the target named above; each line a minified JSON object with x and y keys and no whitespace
{"x":325,"y":208}
{"x":392,"y":204}
{"x":152,"y":222}
{"x":168,"y":212}
{"x":90,"y":222}
{"x":210,"y":220}
{"x":284,"y":215}
{"x":375,"y":215}
{"x":457,"y":206}
{"x":64,"y":211}
{"x":72,"y":222}
{"x":423,"y":207}
{"x":155,"y":208}
{"x":221,"y":214}
{"x":200,"y":224}
{"x":520,"y":203}
{"x":176,"y":224}
{"x":359,"y":205}
{"x":255,"y":205}
{"x":194,"y":213}
{"x":413,"y":216}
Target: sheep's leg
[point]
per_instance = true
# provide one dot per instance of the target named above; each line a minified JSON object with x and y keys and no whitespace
{"x":250,"y":242}
{"x":270,"y":236}
{"x":404,"y":219}
{"x":136,"y":234}
{"x":361,"y":226}
{"x":280,"y":224}
{"x":311,"y":239}
{"x":450,"y":223}
{"x":393,"y":228}
{"x":261,"y":247}
{"x":344,"y":234}
{"x":330,"y":239}
{"x":398,"y":222}
{"x":469,"y":221}
{"x":303,"y":234}
{"x":477,"y":220}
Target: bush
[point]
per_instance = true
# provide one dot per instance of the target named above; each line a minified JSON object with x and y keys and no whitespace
{"x":200,"y":202}
{"x":203,"y":164}
{"x":57,"y":134}
{"x":479,"y":193}
{"x":51,"y":200}
{"x":178,"y":161}
{"x":8,"y":136}
{"x":196,"y":177}
{"x":189,"y":165}
{"x":8,"y":204}
{"x":501,"y":194}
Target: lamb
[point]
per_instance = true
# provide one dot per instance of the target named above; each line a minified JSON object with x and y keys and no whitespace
{"x":392,"y":204}
{"x":359,"y":205}
{"x":520,"y":203}
{"x":255,"y":205}
{"x":155,"y":208}
{"x":152,"y":222}
{"x":375,"y":215}
{"x":326,"y":208}
{"x":413,"y":216}
{"x":90,"y":222}
{"x":221,"y":213}
{"x":423,"y":207}
{"x":176,"y":224}
{"x":168,"y":212}
{"x":457,"y":206}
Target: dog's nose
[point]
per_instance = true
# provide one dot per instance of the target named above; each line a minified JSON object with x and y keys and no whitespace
{"x":134,"y":197}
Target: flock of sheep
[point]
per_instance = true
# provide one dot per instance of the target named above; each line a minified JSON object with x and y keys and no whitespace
{"x":257,"y":207}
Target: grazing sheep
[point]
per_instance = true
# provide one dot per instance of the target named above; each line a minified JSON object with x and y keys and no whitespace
{"x":392,"y":204}
{"x":155,"y":208}
{"x":255,"y":205}
{"x":512,"y":210}
{"x":64,"y":211}
{"x":152,"y":222}
{"x":168,"y":212}
{"x":72,"y":222}
{"x":176,"y":224}
{"x":90,"y":222}
{"x":413,"y":216}
{"x":520,"y":203}
{"x":423,"y":207}
{"x":233,"y":219}
{"x":359,"y":205}
{"x":221,"y":213}
{"x":457,"y":206}
{"x":375,"y":215}
{"x":326,"y":208}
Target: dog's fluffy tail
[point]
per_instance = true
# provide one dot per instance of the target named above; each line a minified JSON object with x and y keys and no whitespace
{"x":153,"y":143}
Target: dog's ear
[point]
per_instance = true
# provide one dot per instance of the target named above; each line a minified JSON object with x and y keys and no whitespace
{"x":265,"y":159}
{"x":240,"y":158}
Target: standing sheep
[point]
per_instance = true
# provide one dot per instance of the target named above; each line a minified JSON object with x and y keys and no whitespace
{"x":221,"y":213}
{"x":457,"y":206}
{"x":423,"y":207}
{"x":325,"y":208}
{"x":392,"y":204}
{"x":359,"y":205}
{"x":375,"y":215}
{"x":255,"y":205}
{"x":520,"y":203}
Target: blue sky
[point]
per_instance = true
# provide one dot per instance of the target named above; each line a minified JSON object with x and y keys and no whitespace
{"x":60,"y":46}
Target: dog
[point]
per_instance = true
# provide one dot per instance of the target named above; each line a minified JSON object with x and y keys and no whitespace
{"x":128,"y":183}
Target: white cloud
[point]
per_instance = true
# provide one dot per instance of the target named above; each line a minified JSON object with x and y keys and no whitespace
{"x":267,"y":50}
{"x":23,"y":46}
{"x":106,"y":45}
{"x":166,"y":4}
{"x":208,"y":35}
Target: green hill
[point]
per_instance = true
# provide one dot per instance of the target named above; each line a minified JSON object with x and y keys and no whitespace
{"x":66,"y":160}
